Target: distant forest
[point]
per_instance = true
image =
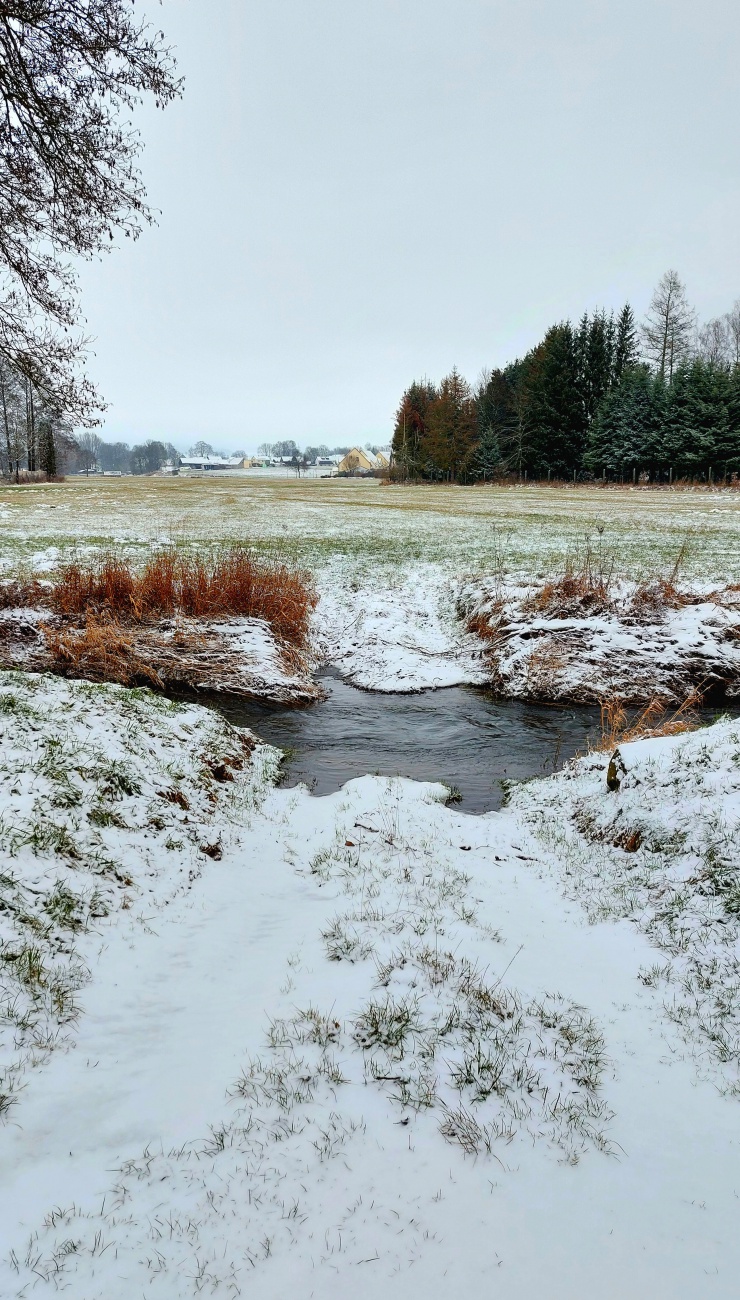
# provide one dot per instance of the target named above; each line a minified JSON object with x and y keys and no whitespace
{"x":605,"y":398}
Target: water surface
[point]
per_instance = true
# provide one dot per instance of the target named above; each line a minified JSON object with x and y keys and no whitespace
{"x":458,"y":735}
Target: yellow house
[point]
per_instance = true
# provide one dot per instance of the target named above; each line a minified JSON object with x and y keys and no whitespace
{"x":382,"y":460}
{"x":356,"y":459}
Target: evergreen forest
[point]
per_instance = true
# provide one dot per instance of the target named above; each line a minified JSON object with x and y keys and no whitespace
{"x":605,"y":398}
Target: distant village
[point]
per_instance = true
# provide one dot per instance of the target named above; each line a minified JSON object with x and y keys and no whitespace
{"x":88,"y":454}
{"x":355,"y":462}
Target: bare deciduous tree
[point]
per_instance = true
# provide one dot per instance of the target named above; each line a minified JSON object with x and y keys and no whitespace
{"x":668,"y":328}
{"x":89,"y":445}
{"x":713,"y":343}
{"x":732,"y":321}
{"x":70,"y":73}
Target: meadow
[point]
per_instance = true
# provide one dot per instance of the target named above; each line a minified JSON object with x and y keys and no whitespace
{"x":528,"y":529}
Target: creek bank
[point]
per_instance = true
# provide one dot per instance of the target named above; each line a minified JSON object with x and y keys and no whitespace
{"x":571,"y":641}
{"x":241,"y":655}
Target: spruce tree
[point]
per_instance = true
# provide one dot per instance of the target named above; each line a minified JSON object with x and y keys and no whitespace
{"x":626,"y":346}
{"x":487,"y":458}
{"x":555,"y":412}
{"x":624,"y":435}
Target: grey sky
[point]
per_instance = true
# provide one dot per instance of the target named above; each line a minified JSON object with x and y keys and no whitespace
{"x":356,"y":193}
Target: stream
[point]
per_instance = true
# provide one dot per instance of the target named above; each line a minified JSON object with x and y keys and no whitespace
{"x":459,"y":735}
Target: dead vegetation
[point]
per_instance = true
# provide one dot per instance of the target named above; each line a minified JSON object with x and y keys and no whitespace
{"x":232,"y":583}
{"x":182,"y":653}
{"x":618,"y":726}
{"x":21,"y":594}
{"x":585,"y":586}
{"x":100,"y":651}
{"x":108,"y":622}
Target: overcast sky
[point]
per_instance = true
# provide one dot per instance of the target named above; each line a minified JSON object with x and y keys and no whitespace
{"x":356,"y":193}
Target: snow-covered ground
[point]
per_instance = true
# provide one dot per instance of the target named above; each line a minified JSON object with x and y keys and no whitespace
{"x":399,"y":634}
{"x":408,"y":632}
{"x":366,"y":1044}
{"x":634,"y":644}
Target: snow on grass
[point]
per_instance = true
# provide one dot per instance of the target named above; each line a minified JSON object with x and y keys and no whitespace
{"x":661,"y":851}
{"x":464,"y":529}
{"x":370,"y":1048}
{"x":396,"y":565}
{"x":618,"y":644}
{"x":398,"y":633}
{"x":111,"y":802}
{"x":390,"y":1018}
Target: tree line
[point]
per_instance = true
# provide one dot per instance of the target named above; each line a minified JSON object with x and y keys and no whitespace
{"x":602,"y":398}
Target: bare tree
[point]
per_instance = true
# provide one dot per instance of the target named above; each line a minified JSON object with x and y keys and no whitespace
{"x":71,"y":71}
{"x":668,"y":328}
{"x":11,"y":402}
{"x":89,"y":445}
{"x":732,"y":321}
{"x":713,"y":342}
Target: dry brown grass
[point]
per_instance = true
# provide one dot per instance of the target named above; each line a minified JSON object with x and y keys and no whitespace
{"x":655,"y":719}
{"x":18,"y":595}
{"x":231,"y":583}
{"x":652,"y":597}
{"x":101,"y":651}
{"x":573,"y":593}
{"x":584,"y":587}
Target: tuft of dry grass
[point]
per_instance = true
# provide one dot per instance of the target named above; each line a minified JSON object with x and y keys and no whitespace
{"x":101,"y":651}
{"x":17,"y":595}
{"x":618,"y":727}
{"x":583,"y":588}
{"x":229,"y":584}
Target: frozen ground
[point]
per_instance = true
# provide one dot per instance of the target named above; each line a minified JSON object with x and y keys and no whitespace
{"x":396,"y":567}
{"x":375,"y":1046}
{"x":372,"y":527}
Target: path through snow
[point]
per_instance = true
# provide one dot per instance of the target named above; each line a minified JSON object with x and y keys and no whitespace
{"x":387,"y":1205}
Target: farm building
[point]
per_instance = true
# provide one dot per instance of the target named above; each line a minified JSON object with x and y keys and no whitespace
{"x":359,"y":461}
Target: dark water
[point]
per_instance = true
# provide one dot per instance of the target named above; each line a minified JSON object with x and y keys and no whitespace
{"x":458,"y":735}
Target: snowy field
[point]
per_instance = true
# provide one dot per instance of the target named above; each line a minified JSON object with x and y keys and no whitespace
{"x":529,"y":529}
{"x":255,"y":1042}
{"x":271,"y":1043}
{"x":398,"y":569}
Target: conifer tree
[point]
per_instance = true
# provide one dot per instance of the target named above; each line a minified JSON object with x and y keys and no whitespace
{"x":452,"y":427}
{"x":47,"y":450}
{"x":410,"y":433}
{"x":625,"y":433}
{"x":487,"y":458}
{"x":697,"y":418}
{"x":555,"y":412}
{"x":626,"y":347}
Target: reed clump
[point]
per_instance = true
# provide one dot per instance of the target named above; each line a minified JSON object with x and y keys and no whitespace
{"x":230,"y":583}
{"x":101,"y":651}
{"x":618,"y":726}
